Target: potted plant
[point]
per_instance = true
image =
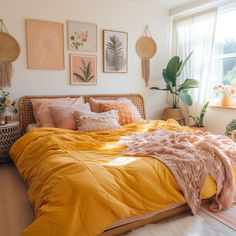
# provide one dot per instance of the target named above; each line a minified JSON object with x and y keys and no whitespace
{"x":231,"y":126}
{"x":177,"y":91}
{"x":199,"y":120}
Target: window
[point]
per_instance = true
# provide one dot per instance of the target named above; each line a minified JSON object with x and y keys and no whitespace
{"x":224,"y":61}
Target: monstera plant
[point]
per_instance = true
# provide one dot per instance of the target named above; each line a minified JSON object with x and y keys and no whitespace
{"x":177,"y":91}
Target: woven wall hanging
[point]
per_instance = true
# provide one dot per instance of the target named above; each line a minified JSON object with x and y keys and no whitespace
{"x":9,"y":51}
{"x":146,"y":49}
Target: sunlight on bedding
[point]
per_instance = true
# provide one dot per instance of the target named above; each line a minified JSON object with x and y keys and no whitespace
{"x":121,"y":161}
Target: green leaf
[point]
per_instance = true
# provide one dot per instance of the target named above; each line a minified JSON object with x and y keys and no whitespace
{"x":80,"y":77}
{"x":156,"y":88}
{"x":185,"y":97}
{"x":187,"y":84}
{"x":91,"y":77}
{"x":182,"y":64}
{"x":171,"y":70}
{"x":168,"y":82}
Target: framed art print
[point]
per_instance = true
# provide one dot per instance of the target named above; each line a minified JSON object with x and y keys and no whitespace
{"x":83,"y":69}
{"x":45,"y":45}
{"x":82,"y":37}
{"x":115,"y":51}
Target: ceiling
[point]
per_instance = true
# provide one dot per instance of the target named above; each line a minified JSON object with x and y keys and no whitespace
{"x":164,"y":4}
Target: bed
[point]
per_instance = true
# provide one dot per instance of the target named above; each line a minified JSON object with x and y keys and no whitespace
{"x":124,"y":224}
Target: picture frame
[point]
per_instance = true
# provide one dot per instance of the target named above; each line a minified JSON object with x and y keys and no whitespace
{"x":115,"y":51}
{"x":45,"y":45}
{"x":83,"y":69}
{"x":82,"y":36}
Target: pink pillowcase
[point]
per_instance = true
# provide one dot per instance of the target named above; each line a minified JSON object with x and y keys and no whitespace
{"x":41,"y":112}
{"x":64,"y":116}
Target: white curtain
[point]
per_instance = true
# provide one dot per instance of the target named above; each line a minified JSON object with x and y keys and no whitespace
{"x":196,"y":34}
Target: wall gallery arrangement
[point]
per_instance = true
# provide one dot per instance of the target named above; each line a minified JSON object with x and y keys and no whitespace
{"x":45,"y":45}
{"x":45,"y":49}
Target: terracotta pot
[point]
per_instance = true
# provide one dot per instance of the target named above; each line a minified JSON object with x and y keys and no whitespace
{"x":173,"y":113}
{"x":226,"y":101}
{"x":198,"y":128}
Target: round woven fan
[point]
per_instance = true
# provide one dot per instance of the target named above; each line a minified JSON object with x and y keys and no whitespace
{"x":9,"y":51}
{"x":146,"y":48}
{"x":9,"y":48}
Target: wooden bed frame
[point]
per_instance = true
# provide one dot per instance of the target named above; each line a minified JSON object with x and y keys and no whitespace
{"x":26,"y":117}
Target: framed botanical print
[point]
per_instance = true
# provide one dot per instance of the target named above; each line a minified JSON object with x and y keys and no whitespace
{"x":115,"y":51}
{"x":45,"y":44}
{"x":83,"y":69}
{"x":82,"y":37}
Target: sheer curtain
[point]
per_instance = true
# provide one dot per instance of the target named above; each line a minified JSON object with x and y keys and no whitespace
{"x":196,"y":34}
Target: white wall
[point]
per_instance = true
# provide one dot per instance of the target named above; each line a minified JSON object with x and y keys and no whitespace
{"x":218,"y":118}
{"x":107,"y":14}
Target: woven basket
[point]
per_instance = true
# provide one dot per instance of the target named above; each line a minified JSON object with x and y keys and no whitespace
{"x":173,"y":113}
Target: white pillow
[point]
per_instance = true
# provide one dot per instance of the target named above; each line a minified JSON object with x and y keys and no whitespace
{"x":92,"y":121}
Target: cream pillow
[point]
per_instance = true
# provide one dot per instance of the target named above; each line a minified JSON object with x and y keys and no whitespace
{"x":92,"y":121}
{"x":64,"y":117}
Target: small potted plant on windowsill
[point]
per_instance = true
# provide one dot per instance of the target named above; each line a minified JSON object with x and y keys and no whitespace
{"x":176,"y":90}
{"x":199,"y":120}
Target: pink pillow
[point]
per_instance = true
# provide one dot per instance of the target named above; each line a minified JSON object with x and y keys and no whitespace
{"x":64,"y":117}
{"x":41,"y":106}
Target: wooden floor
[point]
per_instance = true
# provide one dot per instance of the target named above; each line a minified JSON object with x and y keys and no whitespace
{"x":15,"y":209}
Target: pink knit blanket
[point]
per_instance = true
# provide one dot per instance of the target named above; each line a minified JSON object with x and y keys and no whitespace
{"x":191,"y":157}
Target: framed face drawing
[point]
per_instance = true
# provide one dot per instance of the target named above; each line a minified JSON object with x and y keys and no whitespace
{"x":45,"y":45}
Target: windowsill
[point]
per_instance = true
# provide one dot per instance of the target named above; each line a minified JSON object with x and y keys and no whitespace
{"x":223,"y":107}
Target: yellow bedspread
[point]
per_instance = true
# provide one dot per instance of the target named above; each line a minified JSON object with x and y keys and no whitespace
{"x":81,"y":183}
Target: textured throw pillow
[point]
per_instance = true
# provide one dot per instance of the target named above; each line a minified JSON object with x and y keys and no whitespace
{"x":92,"y":121}
{"x":133,"y":108}
{"x":41,"y":112}
{"x":64,"y":117}
{"x":127,"y":112}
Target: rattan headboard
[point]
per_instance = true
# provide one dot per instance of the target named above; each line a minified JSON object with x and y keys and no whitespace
{"x":26,"y":115}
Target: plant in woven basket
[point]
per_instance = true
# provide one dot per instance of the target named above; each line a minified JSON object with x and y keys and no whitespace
{"x":6,"y":101}
{"x":177,"y":91}
{"x":199,"y":120}
{"x":230,"y":127}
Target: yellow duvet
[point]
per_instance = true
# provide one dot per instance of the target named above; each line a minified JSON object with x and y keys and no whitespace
{"x":81,"y":183}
